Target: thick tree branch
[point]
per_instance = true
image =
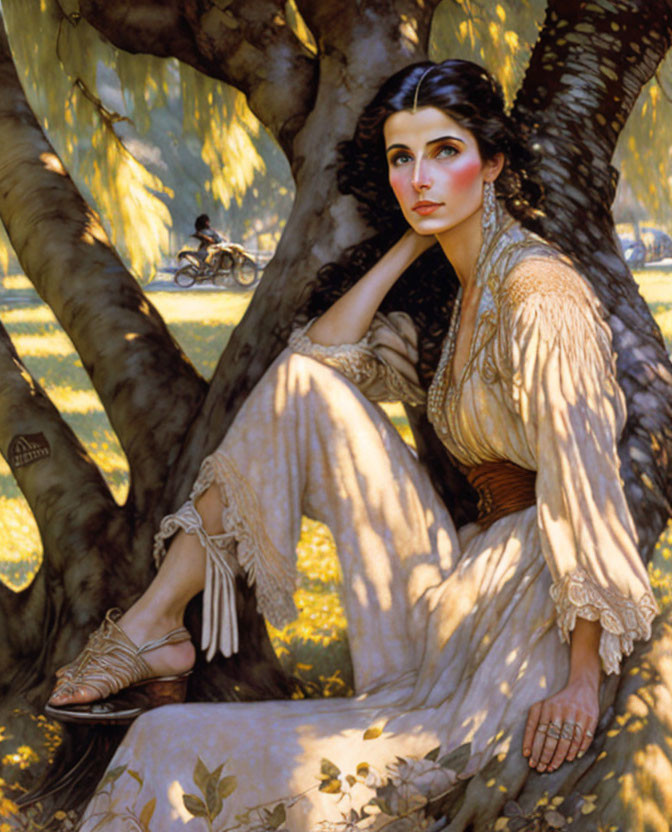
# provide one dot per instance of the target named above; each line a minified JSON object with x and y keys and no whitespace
{"x":405,"y":20}
{"x":246,"y":43}
{"x":144,"y":381}
{"x":71,"y":503}
{"x":586,"y":71}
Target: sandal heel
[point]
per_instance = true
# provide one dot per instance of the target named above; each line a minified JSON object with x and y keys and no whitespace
{"x":165,"y":690}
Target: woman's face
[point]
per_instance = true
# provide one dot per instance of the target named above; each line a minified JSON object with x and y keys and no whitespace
{"x":435,"y":169}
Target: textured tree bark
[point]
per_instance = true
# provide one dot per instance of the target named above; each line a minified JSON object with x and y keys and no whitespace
{"x":586,"y":71}
{"x":310,"y":103}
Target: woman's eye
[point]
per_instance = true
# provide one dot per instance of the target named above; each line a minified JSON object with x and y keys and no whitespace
{"x":400,"y":159}
{"x":446,"y":151}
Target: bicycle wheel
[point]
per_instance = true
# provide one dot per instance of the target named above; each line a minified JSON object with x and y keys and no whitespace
{"x":224,"y":268}
{"x":246,"y":273}
{"x":185,"y":277}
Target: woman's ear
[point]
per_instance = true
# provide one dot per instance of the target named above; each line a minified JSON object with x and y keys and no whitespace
{"x":493,"y":167}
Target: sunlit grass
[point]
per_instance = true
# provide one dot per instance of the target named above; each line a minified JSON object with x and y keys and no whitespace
{"x":202,"y":323}
{"x":656,"y":289}
{"x":16,"y":281}
{"x":20,"y":557}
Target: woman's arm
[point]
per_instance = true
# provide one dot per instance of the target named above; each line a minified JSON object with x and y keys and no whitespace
{"x":573,"y":712}
{"x":557,"y":353}
{"x":347,"y":320}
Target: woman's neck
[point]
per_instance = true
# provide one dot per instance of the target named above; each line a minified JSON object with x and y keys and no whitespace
{"x":461,"y":245}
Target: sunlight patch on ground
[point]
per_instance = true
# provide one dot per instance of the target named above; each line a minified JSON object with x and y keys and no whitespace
{"x":35,"y":315}
{"x":656,"y":289}
{"x":222,"y":308}
{"x":314,"y":646}
{"x":68,"y":400}
{"x":16,"y":281}
{"x":655,"y":285}
{"x":46,"y":345}
{"x":21,"y":551}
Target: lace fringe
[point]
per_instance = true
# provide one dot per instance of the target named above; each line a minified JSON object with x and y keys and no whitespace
{"x":245,"y":544}
{"x":623,"y":621}
{"x":371,"y":369}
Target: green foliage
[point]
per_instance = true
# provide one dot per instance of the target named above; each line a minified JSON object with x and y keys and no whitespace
{"x":643,"y":154}
{"x":498,"y":35}
{"x":214,"y":790}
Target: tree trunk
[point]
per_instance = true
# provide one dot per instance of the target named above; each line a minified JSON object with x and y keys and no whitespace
{"x":584,"y":77}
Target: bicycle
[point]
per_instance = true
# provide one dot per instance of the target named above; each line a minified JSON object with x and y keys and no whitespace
{"x":220,"y":263}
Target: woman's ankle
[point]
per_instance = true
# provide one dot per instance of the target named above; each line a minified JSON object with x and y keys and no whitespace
{"x":149,"y":623}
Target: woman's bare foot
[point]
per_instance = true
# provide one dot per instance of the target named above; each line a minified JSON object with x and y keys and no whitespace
{"x":169,"y":659}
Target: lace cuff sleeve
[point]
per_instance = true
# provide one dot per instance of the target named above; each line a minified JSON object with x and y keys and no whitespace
{"x":563,"y":385}
{"x":381,"y":365}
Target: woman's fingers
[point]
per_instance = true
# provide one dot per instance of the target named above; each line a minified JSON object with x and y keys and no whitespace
{"x":561,"y":727}
{"x":583,"y":735}
{"x":567,"y":733}
{"x":530,"y":727}
{"x":553,"y":734}
{"x":541,"y":737}
{"x":553,"y":737}
{"x":587,"y":737}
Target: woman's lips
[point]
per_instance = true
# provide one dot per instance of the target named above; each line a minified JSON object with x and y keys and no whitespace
{"x":423,"y":208}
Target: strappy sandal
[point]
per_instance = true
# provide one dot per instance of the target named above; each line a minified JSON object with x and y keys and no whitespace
{"x":109,"y":663}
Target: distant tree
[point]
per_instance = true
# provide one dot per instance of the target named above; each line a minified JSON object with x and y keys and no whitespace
{"x":306,"y":79}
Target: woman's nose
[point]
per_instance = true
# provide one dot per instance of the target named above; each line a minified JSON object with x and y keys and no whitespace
{"x":421,"y":180}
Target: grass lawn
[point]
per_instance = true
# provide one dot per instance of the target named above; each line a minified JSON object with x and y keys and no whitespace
{"x":314,"y":646}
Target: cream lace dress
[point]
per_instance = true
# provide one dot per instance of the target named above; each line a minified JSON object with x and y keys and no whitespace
{"x":453,"y":634}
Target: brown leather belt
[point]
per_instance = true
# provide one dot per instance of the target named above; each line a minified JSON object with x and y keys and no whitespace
{"x":502,"y":487}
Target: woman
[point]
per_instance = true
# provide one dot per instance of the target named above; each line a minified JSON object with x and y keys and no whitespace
{"x":452,"y":634}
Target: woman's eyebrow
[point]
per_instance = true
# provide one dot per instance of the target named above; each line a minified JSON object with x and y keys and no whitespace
{"x":447,"y":138}
{"x":400,"y":146}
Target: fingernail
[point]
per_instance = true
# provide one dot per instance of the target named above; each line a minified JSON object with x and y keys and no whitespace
{"x":542,"y":767}
{"x":580,"y":754}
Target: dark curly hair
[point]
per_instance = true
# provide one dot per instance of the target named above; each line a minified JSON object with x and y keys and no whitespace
{"x":468,"y":94}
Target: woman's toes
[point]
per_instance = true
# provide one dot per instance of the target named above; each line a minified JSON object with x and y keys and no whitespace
{"x":70,"y":695}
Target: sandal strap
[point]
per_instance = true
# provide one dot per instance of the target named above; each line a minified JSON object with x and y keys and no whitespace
{"x":176,"y":636}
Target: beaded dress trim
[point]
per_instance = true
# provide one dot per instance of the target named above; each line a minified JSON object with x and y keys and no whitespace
{"x":505,"y":243}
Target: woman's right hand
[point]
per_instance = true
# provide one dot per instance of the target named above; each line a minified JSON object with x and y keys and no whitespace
{"x":561,"y":727}
{"x":415,"y":244}
{"x":348,"y":319}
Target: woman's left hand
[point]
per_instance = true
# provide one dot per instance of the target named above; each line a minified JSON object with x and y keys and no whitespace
{"x":562,"y":726}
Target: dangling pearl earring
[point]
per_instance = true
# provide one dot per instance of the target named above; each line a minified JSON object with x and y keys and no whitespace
{"x":489,"y":214}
